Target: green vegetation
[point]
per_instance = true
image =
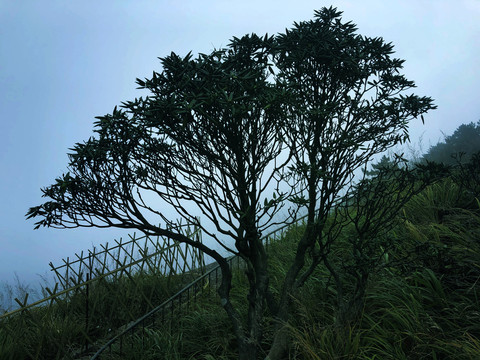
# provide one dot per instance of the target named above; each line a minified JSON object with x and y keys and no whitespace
{"x":421,"y":300}
{"x":61,"y":330}
{"x":460,"y":146}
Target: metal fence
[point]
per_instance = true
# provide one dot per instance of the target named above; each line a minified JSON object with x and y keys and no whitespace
{"x":101,"y":270}
{"x":168,"y":258}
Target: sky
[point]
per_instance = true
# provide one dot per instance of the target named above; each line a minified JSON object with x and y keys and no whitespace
{"x":64,"y":62}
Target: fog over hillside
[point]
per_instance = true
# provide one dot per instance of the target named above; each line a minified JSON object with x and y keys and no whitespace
{"x":63,"y":63}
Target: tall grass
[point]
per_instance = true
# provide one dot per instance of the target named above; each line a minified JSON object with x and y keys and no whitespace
{"x":62,"y":328}
{"x":422,"y":303}
{"x":425,"y":305}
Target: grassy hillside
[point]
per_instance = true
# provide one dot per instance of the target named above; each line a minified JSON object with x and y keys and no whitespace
{"x":422,"y":300}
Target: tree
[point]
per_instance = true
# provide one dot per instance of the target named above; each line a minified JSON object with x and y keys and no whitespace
{"x":460,"y":146}
{"x":369,"y":211}
{"x":306,"y":109}
{"x":346,"y":104}
{"x":208,"y":136}
{"x":385,"y":163}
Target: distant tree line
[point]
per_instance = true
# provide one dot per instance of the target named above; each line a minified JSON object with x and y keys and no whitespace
{"x":460,"y":146}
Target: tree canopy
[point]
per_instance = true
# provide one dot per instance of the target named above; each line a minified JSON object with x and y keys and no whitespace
{"x":295,"y":115}
{"x":463,"y":143}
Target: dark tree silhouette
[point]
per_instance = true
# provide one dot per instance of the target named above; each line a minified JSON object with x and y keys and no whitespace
{"x":460,"y":146}
{"x":307,"y":109}
{"x":346,"y":104}
{"x":366,"y":216}
{"x":207,"y":139}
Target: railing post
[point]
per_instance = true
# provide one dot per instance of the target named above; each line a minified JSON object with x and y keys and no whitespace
{"x":86,"y":311}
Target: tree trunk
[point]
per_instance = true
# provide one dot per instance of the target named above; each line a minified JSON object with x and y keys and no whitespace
{"x":281,"y":339}
{"x":247,"y":350}
{"x":258,"y":279}
{"x":281,"y":342}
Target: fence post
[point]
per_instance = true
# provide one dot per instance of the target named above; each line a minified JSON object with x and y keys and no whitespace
{"x":67,"y":263}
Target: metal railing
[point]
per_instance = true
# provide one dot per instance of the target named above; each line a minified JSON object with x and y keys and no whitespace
{"x":182,"y":298}
{"x":84,"y":280}
{"x":168,"y":308}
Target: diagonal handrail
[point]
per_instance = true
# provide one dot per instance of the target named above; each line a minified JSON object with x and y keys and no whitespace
{"x":141,"y":321}
{"x":160,"y":307}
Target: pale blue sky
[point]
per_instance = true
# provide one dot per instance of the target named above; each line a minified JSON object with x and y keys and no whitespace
{"x":64,"y":62}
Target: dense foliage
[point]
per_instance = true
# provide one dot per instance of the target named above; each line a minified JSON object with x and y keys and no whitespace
{"x":460,"y":146}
